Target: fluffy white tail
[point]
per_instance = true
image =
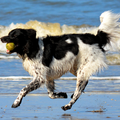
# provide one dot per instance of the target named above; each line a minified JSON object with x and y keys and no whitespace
{"x":110,"y":24}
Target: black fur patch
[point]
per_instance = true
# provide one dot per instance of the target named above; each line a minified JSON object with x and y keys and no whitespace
{"x":25,"y":42}
{"x":56,"y":46}
{"x":101,"y":39}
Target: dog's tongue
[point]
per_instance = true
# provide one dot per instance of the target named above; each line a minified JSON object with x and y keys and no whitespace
{"x":8,"y":51}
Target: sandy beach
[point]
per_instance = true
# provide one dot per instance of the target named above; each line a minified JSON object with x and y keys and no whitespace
{"x":90,"y":106}
{"x":101,"y":101}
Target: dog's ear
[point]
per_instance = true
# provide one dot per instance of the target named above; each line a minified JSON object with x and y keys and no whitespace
{"x":31,"y":33}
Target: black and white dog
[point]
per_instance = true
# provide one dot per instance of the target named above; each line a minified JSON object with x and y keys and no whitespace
{"x":49,"y":58}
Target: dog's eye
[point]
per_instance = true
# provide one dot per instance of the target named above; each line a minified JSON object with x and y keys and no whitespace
{"x":12,"y":36}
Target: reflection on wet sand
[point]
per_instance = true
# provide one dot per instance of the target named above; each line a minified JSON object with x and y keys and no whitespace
{"x":88,"y":107}
{"x":69,"y":117}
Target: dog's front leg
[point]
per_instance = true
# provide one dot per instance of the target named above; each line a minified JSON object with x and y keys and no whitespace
{"x":81,"y":84}
{"x":33,"y":85}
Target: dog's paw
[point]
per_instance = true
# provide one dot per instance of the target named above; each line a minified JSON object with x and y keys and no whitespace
{"x":16,"y":103}
{"x":66,"y":107}
{"x":58,"y":95}
{"x":62,"y":95}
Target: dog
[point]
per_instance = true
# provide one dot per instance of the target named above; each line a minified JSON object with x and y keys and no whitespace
{"x":48,"y":58}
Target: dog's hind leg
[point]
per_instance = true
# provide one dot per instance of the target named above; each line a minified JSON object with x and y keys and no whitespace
{"x":81,"y":84}
{"x":92,"y":59}
{"x":51,"y":87}
{"x":33,"y":85}
{"x":87,"y":68}
{"x":82,"y":80}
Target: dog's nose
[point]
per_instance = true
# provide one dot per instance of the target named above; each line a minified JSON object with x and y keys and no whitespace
{"x":4,"y":39}
{"x":1,"y":39}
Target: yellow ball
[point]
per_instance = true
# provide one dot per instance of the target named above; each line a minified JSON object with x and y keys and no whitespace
{"x":10,"y":46}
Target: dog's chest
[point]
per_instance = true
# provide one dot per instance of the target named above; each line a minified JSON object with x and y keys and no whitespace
{"x":56,"y":69}
{"x":27,"y":64}
{"x":33,"y":66}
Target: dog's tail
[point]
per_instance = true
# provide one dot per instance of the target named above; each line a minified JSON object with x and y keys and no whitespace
{"x":109,"y":30}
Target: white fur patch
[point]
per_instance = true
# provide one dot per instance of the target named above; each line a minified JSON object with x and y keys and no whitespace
{"x":69,"y":41}
{"x":60,"y":67}
{"x":92,"y":59}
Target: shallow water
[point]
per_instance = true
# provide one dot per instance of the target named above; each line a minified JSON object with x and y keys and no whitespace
{"x":75,"y":12}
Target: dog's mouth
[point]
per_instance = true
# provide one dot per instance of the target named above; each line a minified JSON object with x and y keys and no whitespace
{"x":8,"y":52}
{"x":10,"y":47}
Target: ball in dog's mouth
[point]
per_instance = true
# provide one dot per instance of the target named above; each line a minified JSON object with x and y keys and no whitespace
{"x":10,"y":47}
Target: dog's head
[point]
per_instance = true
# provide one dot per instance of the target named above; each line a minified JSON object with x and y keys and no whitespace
{"x":22,"y":38}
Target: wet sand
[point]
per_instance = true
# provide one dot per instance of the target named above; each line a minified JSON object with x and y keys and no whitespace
{"x":40,"y":107}
{"x":97,"y":103}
